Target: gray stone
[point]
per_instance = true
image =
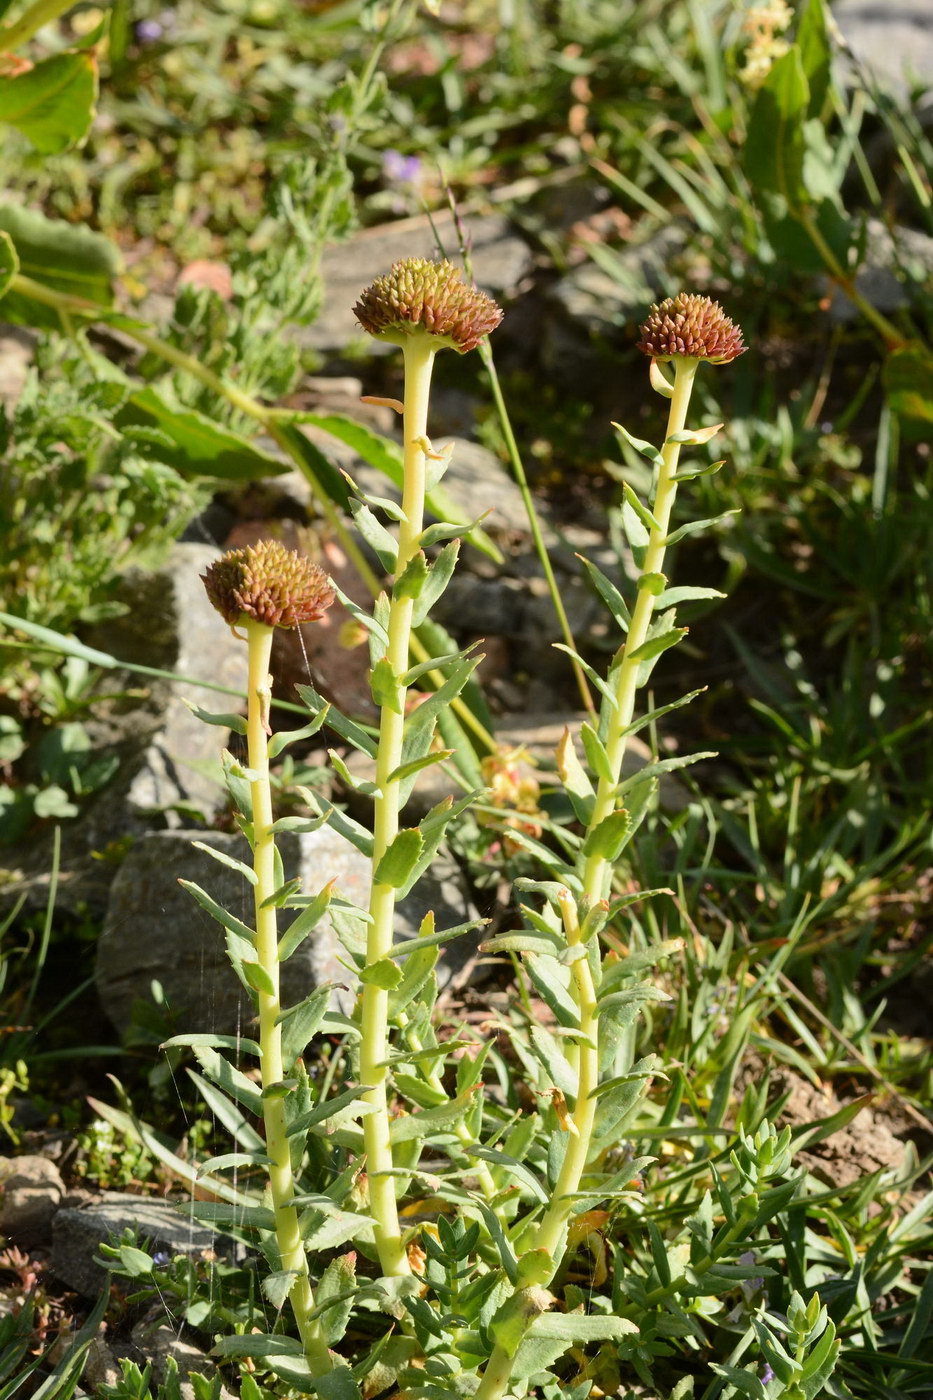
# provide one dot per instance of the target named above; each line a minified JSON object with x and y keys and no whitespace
{"x":478,"y":481}
{"x":893,"y":41}
{"x":155,"y":931}
{"x":32,"y":1189}
{"x":599,"y":302}
{"x":160,"y":1343}
{"x":877,"y":279}
{"x":17,"y":347}
{"x":78,"y":1233}
{"x":501,"y":261}
{"x":172,"y":625}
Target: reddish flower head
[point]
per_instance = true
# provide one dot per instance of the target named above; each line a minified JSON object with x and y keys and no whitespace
{"x":691,"y":327}
{"x":420,"y":297}
{"x":268,"y":583}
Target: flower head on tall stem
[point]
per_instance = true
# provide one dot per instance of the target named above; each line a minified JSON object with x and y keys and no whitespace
{"x":267,"y":583}
{"x":692,"y":327}
{"x":421,"y":297}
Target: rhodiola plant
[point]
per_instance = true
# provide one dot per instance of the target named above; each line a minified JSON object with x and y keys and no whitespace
{"x":468,"y":1178}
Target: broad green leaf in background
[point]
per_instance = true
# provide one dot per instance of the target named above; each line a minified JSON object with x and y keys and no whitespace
{"x":66,"y":257}
{"x":815,"y":53}
{"x":386,"y":456}
{"x":9,"y":262}
{"x":774,"y":144}
{"x":52,"y":103}
{"x":200,"y":447}
{"x":908,"y":382}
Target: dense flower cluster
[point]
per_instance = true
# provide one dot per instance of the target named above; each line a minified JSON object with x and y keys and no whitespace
{"x":418,"y":295}
{"x":691,"y":327}
{"x":268,"y":583}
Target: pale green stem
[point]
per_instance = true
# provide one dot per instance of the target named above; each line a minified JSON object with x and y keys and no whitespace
{"x":281,"y":1180}
{"x":271,"y":420}
{"x":597,"y":873}
{"x":43,"y":12}
{"x":419,"y":360}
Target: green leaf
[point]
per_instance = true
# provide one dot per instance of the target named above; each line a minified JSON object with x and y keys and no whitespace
{"x":236,"y":723}
{"x":277,"y":1286}
{"x":301,"y":1022}
{"x":577,"y":1329}
{"x":552,"y":982}
{"x":375,"y":534}
{"x":655,"y":645}
{"x":640,"y":509}
{"x":437,"y":580}
{"x":217,"y":1042}
{"x":333,"y":1297}
{"x":399,"y":860}
{"x":325,"y":479}
{"x":417,"y":1126}
{"x":385,"y":686}
{"x":774,"y":142}
{"x":575,"y":779}
{"x":663,"y":765}
{"x":692,"y":527}
{"x":52,"y":103}
{"x":386,"y":456}
{"x":908,"y":382}
{"x":217,"y":911}
{"x":197,"y":445}
{"x":513,"y":1168}
{"x":645,"y":449}
{"x":307,"y":918}
{"x":419,"y":726}
{"x":815,"y":53}
{"x":330,"y":1109}
{"x":232,"y":1216}
{"x":609,"y":594}
{"x":609,"y":837}
{"x":9,"y":262}
{"x":279,"y":742}
{"x":670,"y":597}
{"x":383,"y":973}
{"x":408,"y":770}
{"x":65,"y":257}
{"x":412,"y":578}
{"x":348,"y":729}
{"x":237,"y":784}
{"x":230,"y":862}
{"x":596,"y":755}
{"x":232,"y":1081}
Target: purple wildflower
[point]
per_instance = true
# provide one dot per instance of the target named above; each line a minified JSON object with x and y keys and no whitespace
{"x":400,"y":170}
{"x":149,"y":31}
{"x":767,"y":1374}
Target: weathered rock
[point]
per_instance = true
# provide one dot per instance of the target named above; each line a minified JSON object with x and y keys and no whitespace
{"x":32,"y":1189}
{"x":155,"y":931}
{"x":78,"y":1233}
{"x":501,"y":260}
{"x":161,"y":1344}
{"x":598,"y":302}
{"x":478,"y":481}
{"x":17,"y":347}
{"x":171,"y":625}
{"x":877,"y":279}
{"x":894,"y":42}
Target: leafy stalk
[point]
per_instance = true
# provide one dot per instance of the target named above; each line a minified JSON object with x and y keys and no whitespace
{"x":419,"y":362}
{"x":281,"y":1179}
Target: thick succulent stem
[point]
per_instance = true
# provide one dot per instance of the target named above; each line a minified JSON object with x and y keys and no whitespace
{"x":597,"y":873}
{"x":419,"y":360}
{"x":281,"y":1180}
